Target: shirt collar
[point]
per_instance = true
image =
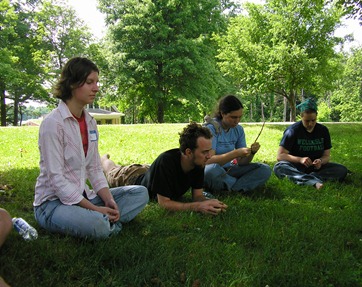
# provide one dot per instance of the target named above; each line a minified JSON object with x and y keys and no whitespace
{"x":65,"y":112}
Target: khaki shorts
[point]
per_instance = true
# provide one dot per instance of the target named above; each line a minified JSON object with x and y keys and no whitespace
{"x":125,"y":175}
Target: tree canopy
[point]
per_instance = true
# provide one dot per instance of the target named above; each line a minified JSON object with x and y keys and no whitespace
{"x":163,"y":52}
{"x":347,"y":98}
{"x":282,"y":47}
{"x":37,"y":37}
{"x":170,"y":60}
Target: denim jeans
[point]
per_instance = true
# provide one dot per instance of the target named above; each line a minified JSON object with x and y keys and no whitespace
{"x":81,"y":222}
{"x":301,"y":175}
{"x":238,"y":178}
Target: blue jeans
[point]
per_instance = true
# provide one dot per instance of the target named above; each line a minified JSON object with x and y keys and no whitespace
{"x":301,"y":175}
{"x":238,"y":178}
{"x":81,"y":222}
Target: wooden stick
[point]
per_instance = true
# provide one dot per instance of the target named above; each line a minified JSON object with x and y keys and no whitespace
{"x":260,"y":132}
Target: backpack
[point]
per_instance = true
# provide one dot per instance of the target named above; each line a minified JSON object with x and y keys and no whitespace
{"x":210,"y":121}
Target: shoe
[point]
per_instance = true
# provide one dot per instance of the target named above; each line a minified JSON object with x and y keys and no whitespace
{"x":208,"y":195}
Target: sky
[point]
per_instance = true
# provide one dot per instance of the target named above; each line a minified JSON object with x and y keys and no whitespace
{"x":87,"y":11}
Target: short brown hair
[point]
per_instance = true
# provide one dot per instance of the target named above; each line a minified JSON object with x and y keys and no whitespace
{"x":74,"y":74}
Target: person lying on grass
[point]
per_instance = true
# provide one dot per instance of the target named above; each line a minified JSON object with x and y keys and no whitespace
{"x":173,"y":173}
{"x":304,"y":151}
{"x":6,"y":226}
{"x":69,"y":156}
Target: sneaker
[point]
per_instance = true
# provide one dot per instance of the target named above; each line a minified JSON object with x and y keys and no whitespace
{"x":208,"y":195}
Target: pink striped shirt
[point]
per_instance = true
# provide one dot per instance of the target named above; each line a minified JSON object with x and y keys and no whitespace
{"x":64,"y":168}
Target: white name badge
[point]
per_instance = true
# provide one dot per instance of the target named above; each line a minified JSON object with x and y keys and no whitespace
{"x":93,"y":136}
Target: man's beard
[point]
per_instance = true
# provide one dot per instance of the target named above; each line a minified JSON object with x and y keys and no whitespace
{"x":198,"y":165}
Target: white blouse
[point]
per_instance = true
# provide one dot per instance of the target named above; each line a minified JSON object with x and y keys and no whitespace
{"x":64,"y":168}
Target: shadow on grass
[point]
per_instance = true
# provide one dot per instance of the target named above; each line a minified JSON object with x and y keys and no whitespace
{"x":17,"y":190}
{"x":301,"y":239}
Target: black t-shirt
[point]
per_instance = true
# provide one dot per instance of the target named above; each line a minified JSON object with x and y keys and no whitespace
{"x":301,"y":143}
{"x":166,"y":177}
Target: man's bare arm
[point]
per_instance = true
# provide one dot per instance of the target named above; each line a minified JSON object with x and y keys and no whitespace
{"x":207,"y":206}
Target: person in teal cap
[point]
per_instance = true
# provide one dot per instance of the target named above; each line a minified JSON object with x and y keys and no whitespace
{"x":304,"y":151}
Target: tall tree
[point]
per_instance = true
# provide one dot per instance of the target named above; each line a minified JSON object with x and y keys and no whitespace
{"x":8,"y":19}
{"x":63,"y":34}
{"x":347,"y":99}
{"x":20,"y":66}
{"x":282,"y":47}
{"x":37,"y":37}
{"x":163,"y":53}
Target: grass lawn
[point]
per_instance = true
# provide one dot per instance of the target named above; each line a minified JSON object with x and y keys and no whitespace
{"x":283,"y":235}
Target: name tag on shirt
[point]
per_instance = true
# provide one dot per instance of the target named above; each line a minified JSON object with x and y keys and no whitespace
{"x":93,"y":136}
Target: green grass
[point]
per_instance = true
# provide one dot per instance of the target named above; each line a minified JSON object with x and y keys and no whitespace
{"x":284,"y":235}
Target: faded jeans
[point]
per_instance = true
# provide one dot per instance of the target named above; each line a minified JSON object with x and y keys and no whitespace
{"x":81,"y":222}
{"x":301,"y":175}
{"x":241,"y":178}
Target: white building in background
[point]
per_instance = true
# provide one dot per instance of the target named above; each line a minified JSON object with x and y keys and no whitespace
{"x":103,"y":116}
{"x":106,"y":116}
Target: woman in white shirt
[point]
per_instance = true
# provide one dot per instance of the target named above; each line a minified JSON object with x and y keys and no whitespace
{"x":68,"y":145}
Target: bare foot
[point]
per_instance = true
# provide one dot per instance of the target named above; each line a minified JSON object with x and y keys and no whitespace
{"x":318,"y":185}
{"x":107,"y":164}
{"x":105,"y":156}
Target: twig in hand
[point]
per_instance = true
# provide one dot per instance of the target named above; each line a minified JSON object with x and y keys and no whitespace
{"x":260,"y":132}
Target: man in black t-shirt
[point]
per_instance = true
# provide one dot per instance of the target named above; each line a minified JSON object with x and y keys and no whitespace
{"x":173,"y":173}
{"x":304,"y":151}
{"x":166,"y":176}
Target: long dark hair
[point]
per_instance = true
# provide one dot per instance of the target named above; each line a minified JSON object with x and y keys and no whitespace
{"x":228,"y":104}
{"x":74,"y":74}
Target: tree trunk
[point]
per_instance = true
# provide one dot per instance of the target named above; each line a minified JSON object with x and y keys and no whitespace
{"x":21,"y":113}
{"x":16,"y":113}
{"x":161,"y":94}
{"x":292,"y":100}
{"x":2,"y":104}
{"x":160,"y":112}
{"x":272,"y":106}
{"x":285,"y":102}
{"x":133,"y":112}
{"x":251,"y":112}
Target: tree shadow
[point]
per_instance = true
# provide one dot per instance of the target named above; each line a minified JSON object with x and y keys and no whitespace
{"x":17,"y":190}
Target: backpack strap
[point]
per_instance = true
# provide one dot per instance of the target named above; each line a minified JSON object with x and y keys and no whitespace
{"x":210,"y":121}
